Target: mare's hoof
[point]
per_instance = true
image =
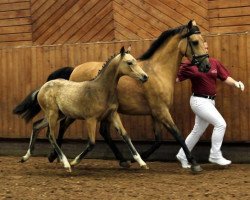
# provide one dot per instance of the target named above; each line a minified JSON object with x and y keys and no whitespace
{"x":144,"y":167}
{"x":125,"y":164}
{"x":22,"y":160}
{"x":52,"y":156}
{"x":196,"y":169}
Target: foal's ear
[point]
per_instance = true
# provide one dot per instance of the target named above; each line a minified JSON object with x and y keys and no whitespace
{"x":129,"y":49}
{"x":122,"y":51}
{"x":190,"y":24}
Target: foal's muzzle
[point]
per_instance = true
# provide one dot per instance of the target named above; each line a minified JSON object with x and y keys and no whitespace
{"x":144,"y":78}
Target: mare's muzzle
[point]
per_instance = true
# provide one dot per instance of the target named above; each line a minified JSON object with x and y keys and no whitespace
{"x":201,"y":63}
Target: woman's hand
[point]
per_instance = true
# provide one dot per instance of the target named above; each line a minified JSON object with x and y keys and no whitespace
{"x":240,"y":85}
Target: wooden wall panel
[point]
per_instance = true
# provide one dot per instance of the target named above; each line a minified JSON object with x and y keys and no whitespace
{"x":38,"y":22}
{"x":26,"y":68}
{"x":147,"y":19}
{"x":73,"y":22}
{"x":229,"y":16}
{"x":15,"y":23}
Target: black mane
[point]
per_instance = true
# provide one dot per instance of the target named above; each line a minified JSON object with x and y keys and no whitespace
{"x":158,"y":42}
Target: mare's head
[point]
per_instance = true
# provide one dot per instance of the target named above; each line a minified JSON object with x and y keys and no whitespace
{"x":192,"y":46}
{"x":129,"y":66}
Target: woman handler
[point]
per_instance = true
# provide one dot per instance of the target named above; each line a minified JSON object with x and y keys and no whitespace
{"x":202,"y":103}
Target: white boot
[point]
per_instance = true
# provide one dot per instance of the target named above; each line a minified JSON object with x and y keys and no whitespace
{"x":220,"y":161}
{"x":183,"y":161}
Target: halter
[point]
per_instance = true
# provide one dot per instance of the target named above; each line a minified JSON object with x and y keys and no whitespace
{"x":195,"y":61}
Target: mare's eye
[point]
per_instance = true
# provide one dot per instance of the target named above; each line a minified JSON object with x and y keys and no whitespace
{"x":195,"y":43}
{"x":129,"y":63}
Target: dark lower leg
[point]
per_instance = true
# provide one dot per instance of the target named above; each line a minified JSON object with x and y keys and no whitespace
{"x":154,"y":147}
{"x":104,"y":131}
{"x":158,"y":128}
{"x":131,"y":147}
{"x":78,"y":159}
{"x":176,"y":134}
{"x":90,"y":146}
{"x":64,"y":124}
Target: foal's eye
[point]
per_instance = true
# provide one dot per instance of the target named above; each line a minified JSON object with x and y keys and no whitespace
{"x":129,"y":63}
{"x":195,"y":43}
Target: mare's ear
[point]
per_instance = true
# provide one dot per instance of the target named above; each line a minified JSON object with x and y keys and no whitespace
{"x":122,"y":51}
{"x":190,"y":24}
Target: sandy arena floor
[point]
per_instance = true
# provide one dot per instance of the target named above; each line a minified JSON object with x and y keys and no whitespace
{"x":104,"y":179}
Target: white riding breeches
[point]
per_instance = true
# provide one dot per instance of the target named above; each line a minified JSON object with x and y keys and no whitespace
{"x":205,"y":114}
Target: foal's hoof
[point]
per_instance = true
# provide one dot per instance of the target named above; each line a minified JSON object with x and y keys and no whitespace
{"x":68,"y":169}
{"x":196,"y":169}
{"x":125,"y":164}
{"x":74,"y":163}
{"x":24,"y":159}
{"x":144,"y":167}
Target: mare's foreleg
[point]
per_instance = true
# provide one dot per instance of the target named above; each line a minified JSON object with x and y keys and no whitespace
{"x":64,"y":125}
{"x":115,"y":119}
{"x":52,"y":117}
{"x":105,"y":133}
{"x":36,"y":128}
{"x":169,"y":124}
{"x":158,"y":128}
{"x":91,"y":128}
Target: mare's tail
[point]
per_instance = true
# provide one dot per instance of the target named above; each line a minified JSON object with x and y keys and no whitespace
{"x":29,"y":107}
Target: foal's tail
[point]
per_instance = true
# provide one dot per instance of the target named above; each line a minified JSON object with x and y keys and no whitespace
{"x":30,"y":107}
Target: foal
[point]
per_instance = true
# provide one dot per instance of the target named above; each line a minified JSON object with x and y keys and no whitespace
{"x":92,"y":101}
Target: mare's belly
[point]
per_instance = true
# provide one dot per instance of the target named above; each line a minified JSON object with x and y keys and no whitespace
{"x":131,"y":96}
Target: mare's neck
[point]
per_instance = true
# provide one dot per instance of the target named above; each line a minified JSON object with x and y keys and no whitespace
{"x":167,"y":59}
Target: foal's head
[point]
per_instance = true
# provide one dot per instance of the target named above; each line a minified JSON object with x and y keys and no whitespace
{"x":192,"y":46}
{"x":129,"y":66}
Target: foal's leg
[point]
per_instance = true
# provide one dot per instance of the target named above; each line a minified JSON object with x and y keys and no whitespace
{"x":37,"y":127}
{"x":52,"y":119}
{"x":158,"y":128}
{"x":91,"y":128}
{"x":115,"y":119}
{"x":64,"y":125}
{"x":105,"y":133}
{"x":169,"y":124}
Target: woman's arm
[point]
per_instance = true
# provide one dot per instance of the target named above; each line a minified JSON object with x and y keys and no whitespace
{"x":232,"y":82}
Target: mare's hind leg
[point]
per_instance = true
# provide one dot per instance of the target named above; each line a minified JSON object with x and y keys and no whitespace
{"x":91,"y":128}
{"x":36,"y":128}
{"x":158,"y":128}
{"x":64,"y":125}
{"x":52,"y":117}
{"x":115,"y":119}
{"x":105,"y":132}
{"x":169,"y":124}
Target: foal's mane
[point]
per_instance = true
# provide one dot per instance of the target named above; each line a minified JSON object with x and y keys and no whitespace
{"x":104,"y":66}
{"x":158,"y":42}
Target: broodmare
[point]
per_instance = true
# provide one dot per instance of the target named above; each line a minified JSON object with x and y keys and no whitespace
{"x":91,"y":101}
{"x":161,"y":62}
